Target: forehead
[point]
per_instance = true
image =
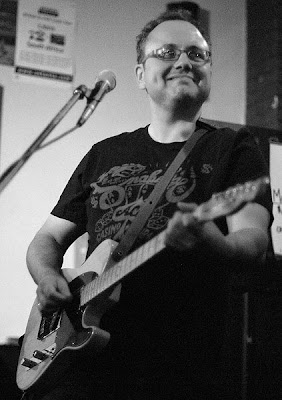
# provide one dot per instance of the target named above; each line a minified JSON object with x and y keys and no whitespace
{"x":181,"y":33}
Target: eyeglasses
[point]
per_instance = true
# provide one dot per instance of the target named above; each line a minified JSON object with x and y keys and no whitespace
{"x":195,"y":55}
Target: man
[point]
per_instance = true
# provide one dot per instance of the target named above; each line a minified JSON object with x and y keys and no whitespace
{"x":167,"y":329}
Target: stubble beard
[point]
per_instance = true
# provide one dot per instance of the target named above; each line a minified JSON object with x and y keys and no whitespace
{"x":185,"y":102}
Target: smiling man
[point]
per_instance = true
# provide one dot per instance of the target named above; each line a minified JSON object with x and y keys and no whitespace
{"x":167,"y":330}
{"x":175,"y":70}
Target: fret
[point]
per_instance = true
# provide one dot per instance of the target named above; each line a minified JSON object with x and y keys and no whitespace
{"x":127,"y":265}
{"x":84,"y":293}
{"x":87,"y":293}
{"x":114,"y":273}
{"x":160,"y":244}
{"x":103,"y":281}
{"x":132,"y":261}
{"x":90,"y":291}
{"x":139,"y":258}
{"x":140,"y":255}
{"x":145,"y":252}
{"x":151,"y":247}
{"x":94,"y":288}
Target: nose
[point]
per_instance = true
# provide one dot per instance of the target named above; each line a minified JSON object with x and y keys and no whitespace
{"x":183,"y":62}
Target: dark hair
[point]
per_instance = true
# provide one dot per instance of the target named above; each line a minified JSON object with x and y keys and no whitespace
{"x":180,"y":14}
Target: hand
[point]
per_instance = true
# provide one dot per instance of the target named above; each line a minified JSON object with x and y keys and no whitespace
{"x":52,"y":292}
{"x":184,"y":231}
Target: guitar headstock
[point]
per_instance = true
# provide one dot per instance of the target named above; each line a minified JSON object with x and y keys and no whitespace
{"x":231,"y":200}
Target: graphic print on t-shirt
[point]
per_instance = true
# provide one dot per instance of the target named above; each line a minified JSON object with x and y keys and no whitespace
{"x":120,"y":192}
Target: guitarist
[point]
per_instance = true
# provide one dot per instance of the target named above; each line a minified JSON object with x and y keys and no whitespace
{"x":167,"y":330}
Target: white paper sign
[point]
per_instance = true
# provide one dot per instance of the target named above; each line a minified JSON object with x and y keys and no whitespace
{"x":45,"y":41}
{"x":276,"y":189}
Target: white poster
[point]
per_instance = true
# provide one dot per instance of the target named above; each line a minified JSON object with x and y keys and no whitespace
{"x":45,"y":41}
{"x":276,"y":189}
{"x":8,"y":18}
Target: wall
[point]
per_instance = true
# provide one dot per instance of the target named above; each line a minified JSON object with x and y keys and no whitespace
{"x":105,"y":39}
{"x":264,"y":84}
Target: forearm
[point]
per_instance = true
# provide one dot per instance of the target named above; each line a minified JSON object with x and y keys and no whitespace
{"x":249,"y":244}
{"x":246,"y":245}
{"x":44,"y":257}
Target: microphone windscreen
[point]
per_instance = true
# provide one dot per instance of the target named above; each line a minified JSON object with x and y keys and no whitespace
{"x":108,"y":77}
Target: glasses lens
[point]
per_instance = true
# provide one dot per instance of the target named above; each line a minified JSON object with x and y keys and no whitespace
{"x":198,"y":55}
{"x":167,"y":54}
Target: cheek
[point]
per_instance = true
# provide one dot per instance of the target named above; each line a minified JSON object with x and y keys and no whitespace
{"x":207,"y":73}
{"x":156,"y":75}
{"x":204,"y":77}
{"x":154,"y":79}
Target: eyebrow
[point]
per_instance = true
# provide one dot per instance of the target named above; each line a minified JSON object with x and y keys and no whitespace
{"x":187,"y":47}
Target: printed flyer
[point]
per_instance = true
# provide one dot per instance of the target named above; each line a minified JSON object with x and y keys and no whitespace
{"x":45,"y":41}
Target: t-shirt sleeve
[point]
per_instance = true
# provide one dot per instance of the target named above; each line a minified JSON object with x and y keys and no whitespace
{"x":71,"y":204}
{"x":249,"y":165}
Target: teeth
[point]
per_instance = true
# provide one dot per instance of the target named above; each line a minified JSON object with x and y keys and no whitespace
{"x":181,"y":76}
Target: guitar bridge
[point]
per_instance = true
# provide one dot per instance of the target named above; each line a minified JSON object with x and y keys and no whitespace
{"x":49,"y":324}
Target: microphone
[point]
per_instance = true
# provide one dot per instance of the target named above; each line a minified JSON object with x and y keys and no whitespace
{"x":105,"y":82}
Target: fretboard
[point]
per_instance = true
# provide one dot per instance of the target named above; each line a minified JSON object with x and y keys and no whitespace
{"x":118,"y":271}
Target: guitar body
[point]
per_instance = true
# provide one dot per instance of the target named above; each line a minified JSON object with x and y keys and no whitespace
{"x":53,"y":339}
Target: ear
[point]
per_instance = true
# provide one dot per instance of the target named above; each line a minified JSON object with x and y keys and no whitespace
{"x":139,"y":72}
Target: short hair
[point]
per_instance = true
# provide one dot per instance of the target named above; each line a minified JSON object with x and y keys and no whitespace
{"x":174,"y":15}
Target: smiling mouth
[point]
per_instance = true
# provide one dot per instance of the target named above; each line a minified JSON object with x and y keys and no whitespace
{"x":181,"y":77}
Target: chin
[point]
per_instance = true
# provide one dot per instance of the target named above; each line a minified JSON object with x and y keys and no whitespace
{"x":188,"y":102}
{"x":186,"y":97}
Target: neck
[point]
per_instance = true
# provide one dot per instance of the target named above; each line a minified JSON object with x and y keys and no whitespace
{"x":166,"y":129}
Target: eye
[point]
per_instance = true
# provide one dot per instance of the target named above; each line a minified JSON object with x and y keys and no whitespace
{"x":198,"y":55}
{"x":167,"y":54}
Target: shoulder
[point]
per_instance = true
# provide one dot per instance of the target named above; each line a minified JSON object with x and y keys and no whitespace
{"x":221,"y":128}
{"x":114,"y":145}
{"x":122,"y":139}
{"x":228,"y":136}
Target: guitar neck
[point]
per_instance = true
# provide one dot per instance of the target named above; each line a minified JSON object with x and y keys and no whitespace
{"x":118,"y":271}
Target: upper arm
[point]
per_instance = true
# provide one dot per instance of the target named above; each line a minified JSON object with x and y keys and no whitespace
{"x":64,"y":232}
{"x":252,"y":215}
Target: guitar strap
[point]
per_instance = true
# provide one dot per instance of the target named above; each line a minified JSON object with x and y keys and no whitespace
{"x":131,"y":234}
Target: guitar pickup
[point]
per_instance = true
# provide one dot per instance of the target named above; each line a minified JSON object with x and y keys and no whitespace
{"x":26,"y":362}
{"x":40,"y":355}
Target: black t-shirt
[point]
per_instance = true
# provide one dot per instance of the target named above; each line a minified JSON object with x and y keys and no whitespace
{"x":175,"y":301}
{"x":118,"y":174}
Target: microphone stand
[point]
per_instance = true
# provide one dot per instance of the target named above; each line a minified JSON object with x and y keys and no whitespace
{"x":79,"y":93}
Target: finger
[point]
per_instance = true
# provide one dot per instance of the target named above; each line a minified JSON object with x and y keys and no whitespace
{"x":188,"y":220}
{"x":183,"y":243}
{"x":54,"y":289}
{"x":39,"y":306}
{"x":176,"y":225}
{"x":50,"y":299}
{"x":187,"y":207}
{"x":47,"y":307}
{"x":63,"y":290}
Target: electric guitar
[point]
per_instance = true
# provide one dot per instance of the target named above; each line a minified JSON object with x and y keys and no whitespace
{"x":51,"y":342}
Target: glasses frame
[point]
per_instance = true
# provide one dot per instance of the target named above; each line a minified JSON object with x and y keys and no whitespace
{"x":154,"y":54}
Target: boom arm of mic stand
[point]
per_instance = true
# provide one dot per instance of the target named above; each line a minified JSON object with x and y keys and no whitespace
{"x":12,"y":170}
